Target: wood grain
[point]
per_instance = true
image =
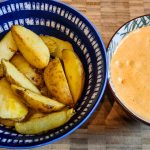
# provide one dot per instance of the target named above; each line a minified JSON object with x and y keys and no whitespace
{"x":109,"y":128}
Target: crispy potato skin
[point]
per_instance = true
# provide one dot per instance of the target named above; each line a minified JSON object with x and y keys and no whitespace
{"x":56,"y":46}
{"x":14,"y":76}
{"x":11,"y":106}
{"x":45,"y":123}
{"x":8,"y":123}
{"x":44,"y":91}
{"x":74,"y":73}
{"x":24,"y":67}
{"x":37,"y":115}
{"x":56,"y":82}
{"x":1,"y":71}
{"x":36,"y":101}
{"x":31,"y":46}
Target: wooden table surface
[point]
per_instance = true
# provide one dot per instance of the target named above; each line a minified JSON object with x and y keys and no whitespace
{"x":109,"y":128}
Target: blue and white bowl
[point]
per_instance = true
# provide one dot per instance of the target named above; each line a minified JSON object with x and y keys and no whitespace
{"x":49,"y":17}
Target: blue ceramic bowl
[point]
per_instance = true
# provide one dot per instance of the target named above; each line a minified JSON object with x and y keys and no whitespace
{"x":49,"y":17}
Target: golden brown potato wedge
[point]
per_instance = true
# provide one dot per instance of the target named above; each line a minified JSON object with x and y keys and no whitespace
{"x":7,"y":46}
{"x":51,"y":44}
{"x":32,"y":113}
{"x":11,"y":106}
{"x":48,"y":122}
{"x":56,"y":45}
{"x":37,"y":101}
{"x":56,"y":82}
{"x":14,"y":76}
{"x":8,"y":123}
{"x":31,"y":46}
{"x":37,"y":115}
{"x":74,"y":73}
{"x":24,"y":67}
{"x":7,"y":49}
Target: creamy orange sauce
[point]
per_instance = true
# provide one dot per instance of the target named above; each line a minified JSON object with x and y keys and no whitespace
{"x":130,"y":72}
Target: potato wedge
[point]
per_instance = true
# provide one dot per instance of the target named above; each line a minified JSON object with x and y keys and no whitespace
{"x":7,"y":49}
{"x":56,"y":82}
{"x":51,"y":44}
{"x":36,"y":101}
{"x":31,"y":46}
{"x":74,"y":73}
{"x":48,"y":122}
{"x":14,"y":76}
{"x":37,"y":115}
{"x":8,"y":123}
{"x":11,"y":106}
{"x":56,"y":45}
{"x":24,"y":67}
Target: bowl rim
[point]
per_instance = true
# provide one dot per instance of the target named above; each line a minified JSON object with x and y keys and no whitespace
{"x":134,"y":116}
{"x":103,"y":86}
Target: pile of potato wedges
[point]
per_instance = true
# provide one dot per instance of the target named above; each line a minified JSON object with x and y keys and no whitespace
{"x":41,"y":80}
